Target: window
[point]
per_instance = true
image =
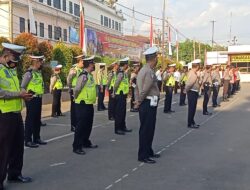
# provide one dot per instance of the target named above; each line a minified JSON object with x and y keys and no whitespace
{"x":28,"y":25}
{"x":70,"y":7}
{"x":243,"y":67}
{"x":41,"y":29}
{"x":101,"y":20}
{"x":64,"y":5}
{"x":120,"y":27}
{"x":106,"y":21}
{"x":49,"y":2}
{"x":22,"y":24}
{"x":65,"y":36}
{"x":109,"y":23}
{"x":116,"y":25}
{"x":57,"y":33}
{"x":41,"y":1}
{"x":76,"y":10}
{"x":113,"y":24}
{"x":57,"y":4}
{"x":36,"y":28}
{"x":50,"y":31}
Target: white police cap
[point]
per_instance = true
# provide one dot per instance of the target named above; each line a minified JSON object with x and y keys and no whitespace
{"x":80,"y":56}
{"x":15,"y":48}
{"x":36,"y":57}
{"x":89,"y":58}
{"x":172,"y":65}
{"x":196,"y":61}
{"x":151,"y":50}
{"x":126,"y":59}
{"x":58,"y":67}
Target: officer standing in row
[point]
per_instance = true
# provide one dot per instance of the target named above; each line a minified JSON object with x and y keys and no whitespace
{"x":85,"y":97}
{"x":101,"y":84}
{"x":183,"y":81}
{"x":33,"y":83}
{"x":169,"y":82}
{"x":192,"y":90}
{"x":71,"y":82}
{"x":56,"y":87}
{"x":147,"y":99}
{"x":121,"y":90}
{"x":207,"y":85}
{"x":110,"y":86}
{"x":133,"y":83}
{"x":11,"y":123}
{"x":216,"y":85}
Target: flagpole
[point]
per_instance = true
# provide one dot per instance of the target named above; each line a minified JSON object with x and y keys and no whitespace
{"x":163,"y":33}
{"x":151,"y":31}
{"x":177,"y":47}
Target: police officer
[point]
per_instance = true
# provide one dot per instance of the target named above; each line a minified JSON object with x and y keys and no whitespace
{"x":169,"y":82}
{"x":216,"y":85}
{"x":121,"y":90}
{"x":110,"y":86}
{"x":85,"y":97}
{"x":101,"y":84}
{"x":133,"y":84}
{"x":56,"y":87}
{"x":147,"y":100}
{"x":207,"y":85}
{"x":11,"y":123}
{"x":183,"y":81}
{"x":71,"y":82}
{"x":192,"y":90}
{"x":33,"y":83}
{"x":226,"y":83}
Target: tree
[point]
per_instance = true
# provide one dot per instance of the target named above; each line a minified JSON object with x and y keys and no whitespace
{"x":29,"y":41}
{"x":64,"y":56}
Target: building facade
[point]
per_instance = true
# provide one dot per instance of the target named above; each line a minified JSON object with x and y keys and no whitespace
{"x":56,"y":19}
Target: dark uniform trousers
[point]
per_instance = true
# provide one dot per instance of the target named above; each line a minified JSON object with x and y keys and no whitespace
{"x":176,"y":86}
{"x":111,"y":105}
{"x":147,"y":115}
{"x":101,"y":96}
{"x":132,"y":98}
{"x":84,"y":117}
{"x":233,"y":88}
{"x":192,"y":104}
{"x":120,"y":111}
{"x":207,"y":93}
{"x":159,"y":84}
{"x":168,"y":98}
{"x":56,"y":104}
{"x":72,"y":109}
{"x":33,"y":119}
{"x":11,"y":145}
{"x":216,"y":89}
{"x":225,"y":89}
{"x":182,"y":95}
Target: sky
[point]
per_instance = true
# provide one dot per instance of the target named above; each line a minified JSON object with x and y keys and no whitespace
{"x":193,"y":18}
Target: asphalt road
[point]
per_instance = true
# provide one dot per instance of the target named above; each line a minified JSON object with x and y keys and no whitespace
{"x":214,"y":157}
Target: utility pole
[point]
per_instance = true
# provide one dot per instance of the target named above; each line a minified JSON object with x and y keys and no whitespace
{"x":163,"y":33}
{"x":133,"y":22}
{"x":213,"y":21}
{"x":234,"y":40}
{"x":194,"y":49}
{"x":230,"y":29}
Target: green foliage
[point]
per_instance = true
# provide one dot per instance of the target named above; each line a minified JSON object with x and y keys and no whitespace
{"x":63,"y":54}
{"x":108,"y":60}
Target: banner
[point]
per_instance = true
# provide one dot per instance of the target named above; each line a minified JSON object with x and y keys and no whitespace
{"x":240,"y":58}
{"x":73,"y":35}
{"x":101,"y":43}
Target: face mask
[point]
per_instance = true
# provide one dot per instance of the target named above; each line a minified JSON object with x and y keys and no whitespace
{"x":12,"y":64}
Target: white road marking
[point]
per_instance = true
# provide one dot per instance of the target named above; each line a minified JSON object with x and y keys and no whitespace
{"x":176,"y":140}
{"x":57,"y":164}
{"x":126,"y":175}
{"x":108,"y":187}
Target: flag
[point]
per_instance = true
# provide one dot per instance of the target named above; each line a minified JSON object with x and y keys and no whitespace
{"x":82,"y":27}
{"x":169,"y":42}
{"x":31,"y":18}
{"x":151,"y":31}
